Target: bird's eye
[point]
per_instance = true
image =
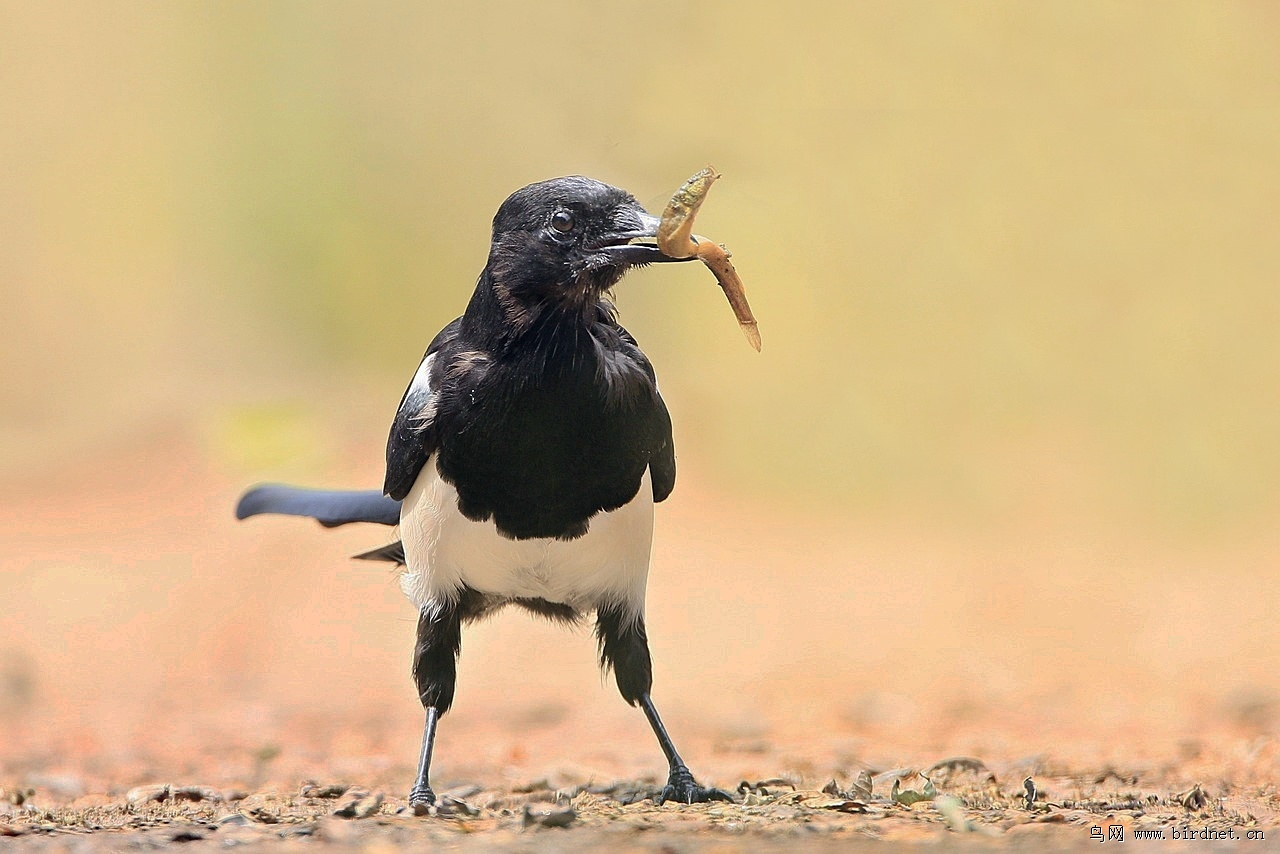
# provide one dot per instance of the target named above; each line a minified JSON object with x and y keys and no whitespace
{"x":562,"y":221}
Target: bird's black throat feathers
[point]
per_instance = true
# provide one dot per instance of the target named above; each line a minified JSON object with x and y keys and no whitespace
{"x":540,"y":409}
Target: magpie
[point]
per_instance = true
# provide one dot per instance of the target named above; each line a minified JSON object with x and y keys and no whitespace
{"x":527,"y":454}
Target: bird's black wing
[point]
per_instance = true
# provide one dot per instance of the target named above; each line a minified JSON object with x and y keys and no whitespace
{"x":662,"y":465}
{"x":413,"y":436}
{"x":662,"y":459}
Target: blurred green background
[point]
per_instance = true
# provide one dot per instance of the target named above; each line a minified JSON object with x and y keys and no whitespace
{"x":1011,"y":260}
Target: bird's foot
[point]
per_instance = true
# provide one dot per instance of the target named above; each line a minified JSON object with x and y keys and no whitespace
{"x":682,"y":788}
{"x":422,"y":799}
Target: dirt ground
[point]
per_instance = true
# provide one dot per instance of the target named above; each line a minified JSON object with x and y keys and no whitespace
{"x":170,"y":676}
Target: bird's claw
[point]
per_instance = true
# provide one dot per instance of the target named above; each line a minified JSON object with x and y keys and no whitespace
{"x":683,"y":789}
{"x":422,"y":799}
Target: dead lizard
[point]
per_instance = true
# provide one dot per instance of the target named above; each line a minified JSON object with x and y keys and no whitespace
{"x":677,"y":240}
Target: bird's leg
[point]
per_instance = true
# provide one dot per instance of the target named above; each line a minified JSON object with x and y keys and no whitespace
{"x":421,"y":796}
{"x":625,"y":647}
{"x":435,"y":664}
{"x":681,"y":787}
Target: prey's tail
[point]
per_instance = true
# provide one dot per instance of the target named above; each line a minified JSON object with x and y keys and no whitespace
{"x":330,"y":508}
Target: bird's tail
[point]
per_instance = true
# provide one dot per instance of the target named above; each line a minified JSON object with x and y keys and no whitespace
{"x":391,"y":552}
{"x":330,"y":508}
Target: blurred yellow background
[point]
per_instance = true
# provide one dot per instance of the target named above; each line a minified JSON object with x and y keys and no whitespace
{"x":1005,"y":255}
{"x":1015,"y":266}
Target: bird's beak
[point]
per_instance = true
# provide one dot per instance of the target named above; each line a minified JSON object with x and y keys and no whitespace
{"x":634,"y":241}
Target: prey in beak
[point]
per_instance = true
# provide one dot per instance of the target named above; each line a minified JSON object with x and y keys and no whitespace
{"x":675,"y":239}
{"x":636,"y":241}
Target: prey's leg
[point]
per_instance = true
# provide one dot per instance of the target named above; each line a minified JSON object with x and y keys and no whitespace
{"x":625,"y":648}
{"x":435,"y":665}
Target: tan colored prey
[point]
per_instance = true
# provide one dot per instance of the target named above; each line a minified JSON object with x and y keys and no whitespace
{"x":676,"y":239}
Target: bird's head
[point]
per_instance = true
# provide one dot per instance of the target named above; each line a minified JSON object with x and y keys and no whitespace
{"x":566,"y":240}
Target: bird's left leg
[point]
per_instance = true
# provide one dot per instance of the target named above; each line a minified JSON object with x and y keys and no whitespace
{"x":435,"y":665}
{"x":625,"y":647}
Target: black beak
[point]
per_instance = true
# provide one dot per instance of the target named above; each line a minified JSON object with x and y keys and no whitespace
{"x":634,"y":242}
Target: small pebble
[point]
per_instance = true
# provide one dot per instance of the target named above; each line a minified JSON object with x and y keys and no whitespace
{"x":461,"y":792}
{"x":333,"y":790}
{"x":451,"y":806}
{"x":555,"y":818}
{"x":297,"y":830}
{"x":359,"y":807}
{"x":146,"y":794}
{"x":195,"y":793}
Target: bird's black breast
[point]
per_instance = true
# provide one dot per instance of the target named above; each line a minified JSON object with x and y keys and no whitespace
{"x":541,"y":439}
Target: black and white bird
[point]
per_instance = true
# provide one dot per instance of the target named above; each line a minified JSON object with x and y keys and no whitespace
{"x":527,"y":454}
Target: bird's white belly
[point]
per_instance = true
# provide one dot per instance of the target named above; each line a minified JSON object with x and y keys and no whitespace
{"x":445,"y":551}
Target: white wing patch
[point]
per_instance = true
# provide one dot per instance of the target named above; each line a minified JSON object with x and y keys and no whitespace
{"x":444,"y":550}
{"x":420,"y":400}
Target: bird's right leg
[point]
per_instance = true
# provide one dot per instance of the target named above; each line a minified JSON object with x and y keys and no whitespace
{"x":435,"y":667}
{"x":624,"y":646}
